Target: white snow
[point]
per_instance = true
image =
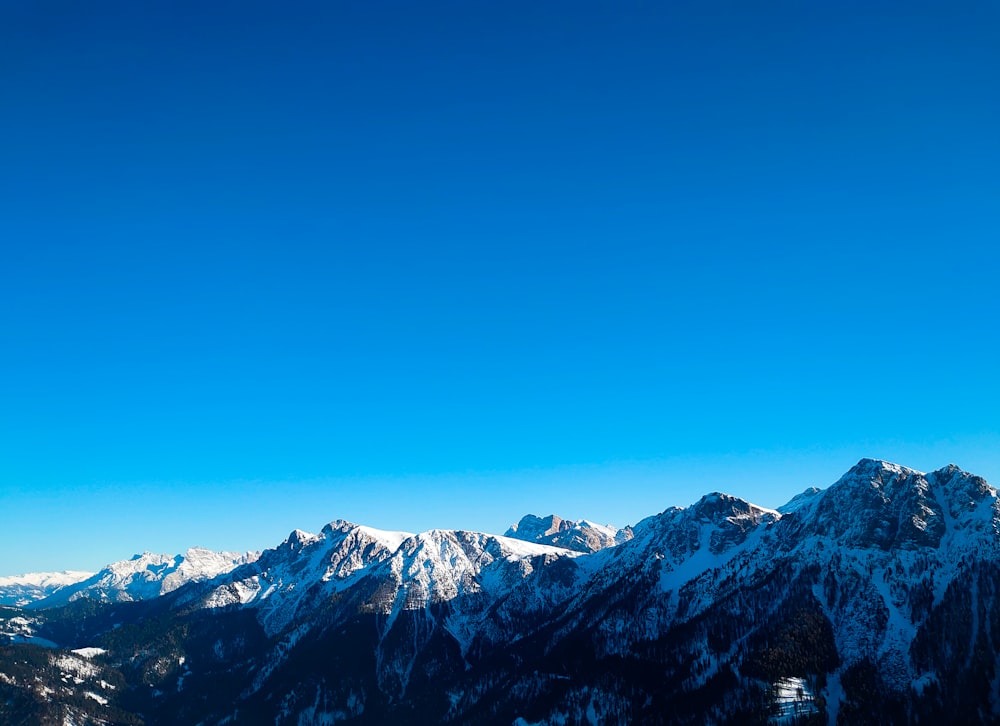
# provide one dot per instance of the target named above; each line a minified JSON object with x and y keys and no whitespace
{"x":605,"y":529}
{"x":100,"y":699}
{"x":519,"y":548}
{"x":89,"y":652}
{"x":46,"y":579}
{"x":389,"y":538}
{"x":76,"y":666}
{"x":793,"y":699}
{"x":799,"y":500}
{"x":22,"y":590}
{"x":899,"y":630}
{"x":870,"y":617}
{"x":149,"y":575}
{"x":583,"y":535}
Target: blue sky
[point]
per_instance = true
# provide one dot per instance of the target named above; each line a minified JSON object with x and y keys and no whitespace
{"x":444,"y":264}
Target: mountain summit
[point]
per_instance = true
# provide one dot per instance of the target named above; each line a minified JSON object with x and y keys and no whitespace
{"x":147,"y":575}
{"x":581,"y":536}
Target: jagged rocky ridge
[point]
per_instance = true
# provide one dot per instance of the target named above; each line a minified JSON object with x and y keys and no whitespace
{"x":875,"y":599}
{"x":145,"y":576}
{"x":582,"y":536}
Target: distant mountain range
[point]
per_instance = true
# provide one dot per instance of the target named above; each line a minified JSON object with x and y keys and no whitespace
{"x":874,"y":600}
{"x":24,"y":589}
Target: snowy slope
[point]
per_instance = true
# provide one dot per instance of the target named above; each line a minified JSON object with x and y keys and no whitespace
{"x":147,"y":576}
{"x":888,"y":543}
{"x":469,"y":570}
{"x":876,"y":598}
{"x":581,"y":536}
{"x":881,"y":555}
{"x":20,"y":590}
{"x":301,"y":571}
{"x":421,"y":589}
{"x":676,"y":564}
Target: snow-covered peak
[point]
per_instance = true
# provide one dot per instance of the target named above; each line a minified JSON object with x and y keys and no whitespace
{"x":581,"y":536}
{"x":720,"y":521}
{"x":475,"y":548}
{"x":606,"y":528}
{"x":298,"y":539}
{"x":198,"y":564}
{"x":149,"y":575}
{"x":471,"y":575}
{"x":388,"y":538}
{"x":45,"y":579}
{"x":877,"y":470}
{"x":799,"y":500}
{"x":333,"y":536}
{"x":885,"y":506}
{"x":440,"y":565}
{"x":339,"y":550}
{"x":718,"y":507}
{"x":20,"y":590}
{"x":301,"y":570}
{"x":533,"y":527}
{"x":967,"y":500}
{"x":960,"y":483}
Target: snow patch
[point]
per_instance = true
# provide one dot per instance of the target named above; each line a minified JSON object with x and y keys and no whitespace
{"x":75,"y":666}
{"x":100,"y":699}
{"x":89,"y":652}
{"x":794,"y":700}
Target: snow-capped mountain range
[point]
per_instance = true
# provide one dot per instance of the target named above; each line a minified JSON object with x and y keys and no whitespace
{"x":140,"y":577}
{"x":877,"y":596}
{"x":20,"y":590}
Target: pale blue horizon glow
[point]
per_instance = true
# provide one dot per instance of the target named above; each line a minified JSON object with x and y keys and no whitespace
{"x":443,"y":266}
{"x":252,"y":515}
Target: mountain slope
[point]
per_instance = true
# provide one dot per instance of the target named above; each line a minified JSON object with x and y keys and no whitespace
{"x":147,"y":576}
{"x":582,"y":536}
{"x":874,"y":600}
{"x":878,"y":594}
{"x":21,"y":590}
{"x":301,"y":571}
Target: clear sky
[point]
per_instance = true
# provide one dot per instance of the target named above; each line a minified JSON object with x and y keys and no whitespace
{"x":441,"y":264}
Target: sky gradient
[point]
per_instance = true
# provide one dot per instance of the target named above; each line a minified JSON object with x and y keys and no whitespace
{"x":445,"y":264}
